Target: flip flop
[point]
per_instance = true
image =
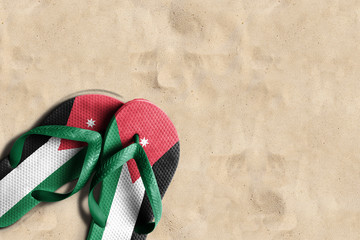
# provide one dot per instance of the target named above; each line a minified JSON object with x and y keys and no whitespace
{"x":48,"y":156}
{"x":139,"y":136}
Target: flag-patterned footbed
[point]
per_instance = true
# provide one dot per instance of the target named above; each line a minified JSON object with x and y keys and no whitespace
{"x":45,"y":163}
{"x":122,"y":196}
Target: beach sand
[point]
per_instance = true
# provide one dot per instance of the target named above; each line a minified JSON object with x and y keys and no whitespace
{"x":265,"y":96}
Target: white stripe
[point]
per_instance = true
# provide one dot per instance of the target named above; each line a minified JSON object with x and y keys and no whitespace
{"x":124,"y":208}
{"x":31,"y":172}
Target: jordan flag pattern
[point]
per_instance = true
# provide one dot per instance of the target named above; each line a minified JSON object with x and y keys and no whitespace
{"x":45,"y":161}
{"x":123,"y":194}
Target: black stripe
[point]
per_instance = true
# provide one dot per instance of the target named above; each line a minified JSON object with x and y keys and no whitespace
{"x":5,"y":168}
{"x":164,"y":170}
{"x":58,"y":116}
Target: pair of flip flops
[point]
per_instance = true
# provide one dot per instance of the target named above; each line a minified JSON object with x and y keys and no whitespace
{"x":131,"y":148}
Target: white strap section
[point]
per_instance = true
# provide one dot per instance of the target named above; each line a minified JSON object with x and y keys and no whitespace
{"x":124,"y":208}
{"x":31,"y":172}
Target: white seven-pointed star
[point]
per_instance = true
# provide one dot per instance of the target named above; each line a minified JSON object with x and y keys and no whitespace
{"x":144,"y":142}
{"x":91,"y":123}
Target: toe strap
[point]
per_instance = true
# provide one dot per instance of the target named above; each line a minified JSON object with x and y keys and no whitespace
{"x":115,"y":162}
{"x":90,"y":155}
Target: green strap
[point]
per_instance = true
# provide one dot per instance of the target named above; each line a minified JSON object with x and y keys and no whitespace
{"x":92,"y":138}
{"x":115,"y":162}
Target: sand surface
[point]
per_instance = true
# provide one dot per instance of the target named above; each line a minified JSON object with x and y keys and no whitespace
{"x":265,"y":96}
